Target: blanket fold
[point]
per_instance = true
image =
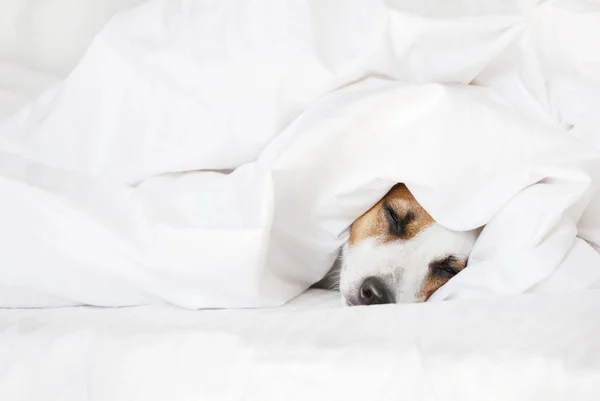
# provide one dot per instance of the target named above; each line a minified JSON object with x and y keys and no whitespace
{"x":213,"y":154}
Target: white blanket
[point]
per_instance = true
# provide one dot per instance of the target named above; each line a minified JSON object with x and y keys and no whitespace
{"x":521,"y":348}
{"x":113,"y":184}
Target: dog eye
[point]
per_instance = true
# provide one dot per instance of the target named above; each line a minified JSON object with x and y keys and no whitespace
{"x":444,"y":268}
{"x":396,"y":224}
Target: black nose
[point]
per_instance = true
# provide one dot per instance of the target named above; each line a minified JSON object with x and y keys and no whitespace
{"x":373,"y":291}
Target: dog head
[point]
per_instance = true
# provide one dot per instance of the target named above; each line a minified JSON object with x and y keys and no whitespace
{"x":397,"y":253}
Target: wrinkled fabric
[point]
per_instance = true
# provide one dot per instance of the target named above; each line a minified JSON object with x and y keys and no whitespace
{"x":213,"y":154}
{"x":521,"y":348}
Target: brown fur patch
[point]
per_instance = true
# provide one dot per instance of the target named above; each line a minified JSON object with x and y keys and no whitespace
{"x":432,"y":282}
{"x":373,"y":224}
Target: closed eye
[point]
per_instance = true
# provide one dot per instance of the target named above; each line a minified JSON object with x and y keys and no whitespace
{"x":444,"y":268}
{"x":396,"y":224}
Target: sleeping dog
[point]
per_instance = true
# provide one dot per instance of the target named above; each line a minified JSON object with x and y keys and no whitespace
{"x":397,"y":253}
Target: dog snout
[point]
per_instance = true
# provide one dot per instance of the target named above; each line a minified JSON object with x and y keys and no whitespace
{"x":374,"y":291}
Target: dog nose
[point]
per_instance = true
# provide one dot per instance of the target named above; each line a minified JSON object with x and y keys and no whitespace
{"x":373,"y":291}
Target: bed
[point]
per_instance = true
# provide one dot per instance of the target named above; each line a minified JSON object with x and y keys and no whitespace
{"x":120,"y":328}
{"x":515,"y":348}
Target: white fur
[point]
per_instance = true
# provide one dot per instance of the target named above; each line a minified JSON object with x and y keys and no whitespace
{"x":402,"y":264}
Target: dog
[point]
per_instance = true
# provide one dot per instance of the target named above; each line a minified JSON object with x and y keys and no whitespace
{"x":397,"y":253}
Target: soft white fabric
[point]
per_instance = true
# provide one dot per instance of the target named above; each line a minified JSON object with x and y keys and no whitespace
{"x":521,"y":348}
{"x":41,"y":41}
{"x":51,"y":36}
{"x":106,"y":198}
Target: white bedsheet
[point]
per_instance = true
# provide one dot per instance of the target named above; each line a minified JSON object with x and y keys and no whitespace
{"x":529,"y":348}
{"x":319,"y":106}
{"x":40,"y":43}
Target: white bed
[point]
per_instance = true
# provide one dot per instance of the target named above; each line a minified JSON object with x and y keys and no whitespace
{"x":543,"y":346}
{"x":519,"y":348}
